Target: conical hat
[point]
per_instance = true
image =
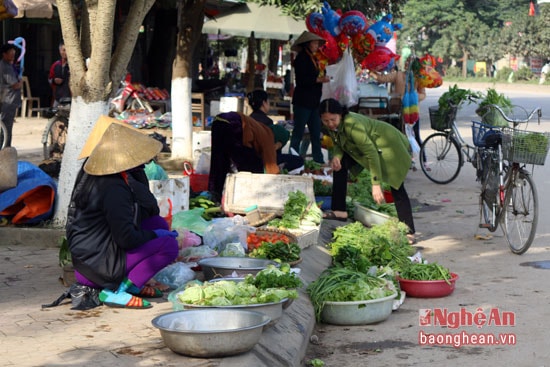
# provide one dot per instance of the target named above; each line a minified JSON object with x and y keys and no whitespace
{"x":97,"y":132}
{"x":304,"y":38}
{"x":119,"y":149}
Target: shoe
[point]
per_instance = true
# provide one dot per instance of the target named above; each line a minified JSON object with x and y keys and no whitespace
{"x":427,"y":168}
{"x":122,"y":300}
{"x":147,"y":292}
{"x":411,"y":239}
{"x":329,"y":214}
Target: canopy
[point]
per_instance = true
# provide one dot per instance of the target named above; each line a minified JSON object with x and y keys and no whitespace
{"x":265,"y":21}
{"x":34,"y":8}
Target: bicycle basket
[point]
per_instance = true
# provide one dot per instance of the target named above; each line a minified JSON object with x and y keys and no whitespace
{"x":525,"y":146}
{"x":481,"y":131}
{"x":441,"y":122}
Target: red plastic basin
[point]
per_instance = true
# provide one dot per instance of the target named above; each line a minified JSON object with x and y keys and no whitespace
{"x":428,"y":288}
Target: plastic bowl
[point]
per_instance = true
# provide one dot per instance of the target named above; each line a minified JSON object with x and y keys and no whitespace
{"x":232,"y":267}
{"x":358,"y":312}
{"x":211,"y":333}
{"x":428,"y":288}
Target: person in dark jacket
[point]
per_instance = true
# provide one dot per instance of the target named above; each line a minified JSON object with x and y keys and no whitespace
{"x":259,"y":102}
{"x":307,"y":95}
{"x":239,"y":143}
{"x":116,"y":237}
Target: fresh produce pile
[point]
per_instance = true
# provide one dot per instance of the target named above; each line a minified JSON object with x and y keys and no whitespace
{"x":425,"y":271}
{"x":298,"y":211}
{"x":269,"y":285}
{"x":211,"y":209}
{"x":273,"y":277}
{"x":361,"y":192}
{"x":342,"y":285}
{"x":273,"y":246}
{"x":359,"y":247}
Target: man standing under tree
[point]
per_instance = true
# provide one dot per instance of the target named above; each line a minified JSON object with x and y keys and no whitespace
{"x":59,"y":76}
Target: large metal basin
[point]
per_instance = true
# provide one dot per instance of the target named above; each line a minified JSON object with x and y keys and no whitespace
{"x":211,"y":332}
{"x":232,"y":267}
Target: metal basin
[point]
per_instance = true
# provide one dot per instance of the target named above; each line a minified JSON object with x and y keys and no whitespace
{"x":211,"y":332}
{"x":232,"y":267}
{"x":358,"y":312}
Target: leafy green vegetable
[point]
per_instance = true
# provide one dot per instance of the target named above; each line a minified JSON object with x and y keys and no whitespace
{"x":361,"y":192}
{"x":298,"y":211}
{"x":350,"y":257}
{"x":273,"y":277}
{"x":279,"y":250}
{"x":341,"y":285}
{"x":322,"y":188}
{"x":382,"y":244}
{"x":227,"y":292}
{"x":420,"y":271}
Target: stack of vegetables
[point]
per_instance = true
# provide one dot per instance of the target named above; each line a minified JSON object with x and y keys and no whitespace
{"x":271,"y":284}
{"x":271,"y":245}
{"x":364,"y":265}
{"x":298,"y":211}
{"x":361,"y":192}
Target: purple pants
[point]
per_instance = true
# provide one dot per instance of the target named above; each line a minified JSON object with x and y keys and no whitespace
{"x":145,"y":261}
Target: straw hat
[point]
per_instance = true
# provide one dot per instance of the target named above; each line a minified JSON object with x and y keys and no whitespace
{"x":97,"y":132}
{"x":305,"y":37}
{"x":119,"y":149}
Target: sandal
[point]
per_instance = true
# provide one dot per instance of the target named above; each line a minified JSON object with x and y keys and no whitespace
{"x":122,"y":300}
{"x":411,"y":239}
{"x":329,"y":214}
{"x":149,"y":292}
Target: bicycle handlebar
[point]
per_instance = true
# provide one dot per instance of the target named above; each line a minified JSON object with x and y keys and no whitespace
{"x":514,"y":121}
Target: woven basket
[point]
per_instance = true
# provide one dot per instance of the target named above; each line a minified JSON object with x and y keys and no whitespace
{"x":525,"y":146}
{"x":439,"y":122}
{"x":264,"y":218}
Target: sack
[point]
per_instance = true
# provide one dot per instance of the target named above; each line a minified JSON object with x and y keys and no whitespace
{"x":8,"y":168}
{"x":343,"y":85}
{"x":82,"y":297}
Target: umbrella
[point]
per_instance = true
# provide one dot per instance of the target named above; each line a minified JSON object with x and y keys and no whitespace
{"x":264,"y":20}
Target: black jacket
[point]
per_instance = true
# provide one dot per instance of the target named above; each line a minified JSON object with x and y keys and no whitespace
{"x":104,"y":223}
{"x":307,"y":92}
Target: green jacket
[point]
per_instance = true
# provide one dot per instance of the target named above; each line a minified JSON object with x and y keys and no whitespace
{"x":374,"y":145}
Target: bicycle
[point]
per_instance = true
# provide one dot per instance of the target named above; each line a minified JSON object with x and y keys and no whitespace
{"x":500,"y":155}
{"x":3,"y":135}
{"x":54,"y":136}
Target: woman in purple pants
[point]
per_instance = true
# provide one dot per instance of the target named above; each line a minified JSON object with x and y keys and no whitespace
{"x":117,"y":239}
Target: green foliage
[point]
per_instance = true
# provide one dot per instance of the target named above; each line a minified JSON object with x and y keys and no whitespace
{"x":453,"y":72}
{"x":524,"y":73}
{"x":503,"y":73}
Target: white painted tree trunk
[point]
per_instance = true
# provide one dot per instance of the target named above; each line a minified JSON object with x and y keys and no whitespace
{"x":182,"y":126}
{"x":82,"y":119}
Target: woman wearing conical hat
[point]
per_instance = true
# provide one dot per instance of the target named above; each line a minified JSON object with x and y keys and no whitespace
{"x":117,"y":239}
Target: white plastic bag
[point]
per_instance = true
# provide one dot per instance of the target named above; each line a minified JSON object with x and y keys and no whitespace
{"x":343,"y":83}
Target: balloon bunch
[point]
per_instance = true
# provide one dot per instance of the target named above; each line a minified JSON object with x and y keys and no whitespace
{"x":427,"y":76}
{"x":20,"y":43}
{"x":366,"y":38}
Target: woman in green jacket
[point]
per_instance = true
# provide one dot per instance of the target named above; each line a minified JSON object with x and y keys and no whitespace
{"x":361,"y":142}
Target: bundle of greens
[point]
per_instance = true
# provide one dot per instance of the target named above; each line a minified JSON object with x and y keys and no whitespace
{"x":273,"y":277}
{"x":421,"y":271}
{"x":361,"y":192}
{"x":298,"y":210}
{"x":382,"y":244}
{"x":342,"y":285}
{"x":278,"y":250}
{"x":228,"y":293}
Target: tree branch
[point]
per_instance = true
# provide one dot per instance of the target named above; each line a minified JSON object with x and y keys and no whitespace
{"x":72,"y":44}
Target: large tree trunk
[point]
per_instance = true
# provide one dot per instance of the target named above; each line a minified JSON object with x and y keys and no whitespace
{"x":190,"y":20}
{"x":91,"y":85}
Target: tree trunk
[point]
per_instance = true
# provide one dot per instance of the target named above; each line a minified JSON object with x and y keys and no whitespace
{"x":190,"y":20}
{"x":465,"y":64}
{"x":250,"y":64}
{"x":273,"y":56}
{"x":91,"y":85}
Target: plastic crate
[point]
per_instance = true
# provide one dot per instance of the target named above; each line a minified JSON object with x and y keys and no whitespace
{"x":525,"y":146}
{"x":480,"y":133}
{"x":439,"y":122}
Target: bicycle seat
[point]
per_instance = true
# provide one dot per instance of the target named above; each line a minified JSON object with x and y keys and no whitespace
{"x":492,"y":138}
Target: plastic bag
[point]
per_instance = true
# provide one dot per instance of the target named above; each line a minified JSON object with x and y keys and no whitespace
{"x":190,"y":219}
{"x":343,"y":82}
{"x":175,"y":275}
{"x":82,"y":297}
{"x":224,"y":231}
{"x":233,"y":250}
{"x":155,"y":172}
{"x":187,"y":238}
{"x":194,"y":254}
{"x":410,"y":135}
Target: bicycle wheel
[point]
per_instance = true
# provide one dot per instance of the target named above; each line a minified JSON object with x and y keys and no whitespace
{"x":489,"y":199}
{"x":55,"y":138}
{"x":440,"y":158}
{"x":521,"y":208}
{"x":3,"y":135}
